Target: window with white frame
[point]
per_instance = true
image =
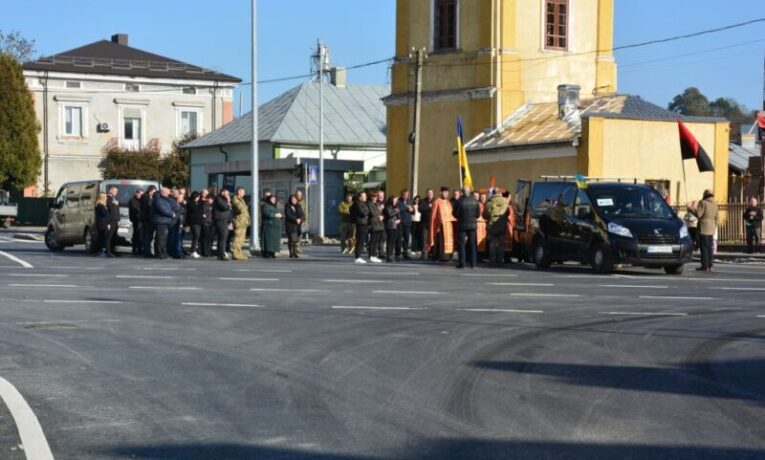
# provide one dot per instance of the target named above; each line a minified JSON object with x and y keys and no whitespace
{"x":73,"y":121}
{"x":189,"y":122}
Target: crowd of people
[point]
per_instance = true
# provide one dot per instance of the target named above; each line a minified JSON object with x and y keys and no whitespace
{"x":477,"y":224}
{"x":218,"y":223}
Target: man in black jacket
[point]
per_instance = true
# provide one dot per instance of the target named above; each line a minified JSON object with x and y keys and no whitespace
{"x":221,"y":220}
{"x":753,"y":223}
{"x":360,"y":217}
{"x":405,"y":212}
{"x":467,"y":211}
{"x":134,"y":208}
{"x":426,"y":211}
{"x":162,"y":217}
{"x":147,"y":201}
{"x":113,"y":205}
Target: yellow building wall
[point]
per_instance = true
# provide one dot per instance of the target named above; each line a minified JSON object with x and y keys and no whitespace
{"x":650,"y":150}
{"x":507,"y":173}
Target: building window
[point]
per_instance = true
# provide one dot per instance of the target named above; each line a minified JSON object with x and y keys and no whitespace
{"x":132,"y":88}
{"x":132,"y":133}
{"x":445,"y":24}
{"x":73,"y":84}
{"x":556,"y":24}
{"x":189,"y":90}
{"x":73,"y":121}
{"x":188,"y":123}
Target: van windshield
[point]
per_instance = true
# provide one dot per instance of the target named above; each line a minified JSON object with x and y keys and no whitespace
{"x":627,"y":202}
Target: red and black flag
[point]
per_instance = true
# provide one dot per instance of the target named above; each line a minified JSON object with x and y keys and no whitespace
{"x":691,"y":149}
{"x":760,"y":126}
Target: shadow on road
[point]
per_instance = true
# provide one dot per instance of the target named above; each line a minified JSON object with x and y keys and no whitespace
{"x":443,"y":450}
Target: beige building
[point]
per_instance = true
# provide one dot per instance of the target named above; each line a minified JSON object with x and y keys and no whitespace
{"x":107,"y":93}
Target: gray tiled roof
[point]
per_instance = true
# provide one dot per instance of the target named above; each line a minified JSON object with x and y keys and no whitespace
{"x":108,"y":58}
{"x":738,"y":156}
{"x":353,"y":115}
{"x":638,"y":108}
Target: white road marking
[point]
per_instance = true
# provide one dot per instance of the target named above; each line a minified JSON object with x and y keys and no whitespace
{"x":75,"y":268}
{"x":17,"y":260}
{"x":407,"y":292}
{"x":355,"y":281}
{"x":287,"y":290}
{"x":167,"y":269}
{"x":504,"y":310}
{"x":534,"y":294}
{"x":737,"y":288}
{"x":491,"y":275}
{"x":262,"y":270}
{"x":642,"y":313}
{"x":669,"y":297}
{"x":521,"y":284}
{"x":37,"y":275}
{"x":632,"y":286}
{"x":82,"y":301}
{"x":356,"y":307}
{"x":146,"y":277}
{"x":249,"y":279}
{"x":761,"y":316}
{"x":374,"y":272}
{"x":235,"y":305}
{"x":170,"y":288}
{"x":31,"y":433}
{"x":48,"y":285}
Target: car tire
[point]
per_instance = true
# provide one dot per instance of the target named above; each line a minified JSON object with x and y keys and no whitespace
{"x":89,"y":243}
{"x":601,"y":259}
{"x":51,"y":240}
{"x":674,"y":269}
{"x":541,"y":254}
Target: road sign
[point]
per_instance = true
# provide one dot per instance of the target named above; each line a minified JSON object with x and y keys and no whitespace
{"x":313,"y":174}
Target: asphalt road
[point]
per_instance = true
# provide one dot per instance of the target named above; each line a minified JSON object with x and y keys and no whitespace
{"x":323,"y":359}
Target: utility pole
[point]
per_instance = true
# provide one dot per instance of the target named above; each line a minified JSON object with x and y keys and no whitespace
{"x":414,"y":138}
{"x":322,"y":62}
{"x":255,"y":170}
{"x":762,"y":141}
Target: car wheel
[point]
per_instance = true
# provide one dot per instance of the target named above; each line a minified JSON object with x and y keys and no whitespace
{"x":51,"y":240}
{"x":601,"y":260}
{"x":541,"y":254}
{"x":674,"y":269}
{"x":88,"y":237}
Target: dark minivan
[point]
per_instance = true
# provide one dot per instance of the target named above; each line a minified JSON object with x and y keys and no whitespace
{"x":602,"y":224}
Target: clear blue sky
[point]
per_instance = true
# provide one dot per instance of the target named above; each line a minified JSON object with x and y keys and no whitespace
{"x":216,"y":35}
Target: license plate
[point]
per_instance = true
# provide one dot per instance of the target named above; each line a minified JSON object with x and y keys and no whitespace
{"x":122,"y":231}
{"x":659,"y":249}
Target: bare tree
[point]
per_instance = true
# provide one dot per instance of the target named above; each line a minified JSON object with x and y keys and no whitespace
{"x":16,"y":46}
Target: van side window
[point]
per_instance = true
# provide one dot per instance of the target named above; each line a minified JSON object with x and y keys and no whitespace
{"x":567,"y":196}
{"x":61,"y":197}
{"x":73,"y":196}
{"x":544,"y":196}
{"x":582,"y":206}
{"x":88,"y":196}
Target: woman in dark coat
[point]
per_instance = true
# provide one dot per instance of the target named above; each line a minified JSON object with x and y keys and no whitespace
{"x":272,"y":228}
{"x":292,"y":223}
{"x":102,"y":225}
{"x":392,"y":215}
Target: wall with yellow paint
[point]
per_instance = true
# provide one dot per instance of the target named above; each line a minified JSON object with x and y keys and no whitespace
{"x":507,"y":173}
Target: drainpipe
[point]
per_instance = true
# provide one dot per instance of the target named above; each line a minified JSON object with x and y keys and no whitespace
{"x":46,"y":189}
{"x":214,"y":103}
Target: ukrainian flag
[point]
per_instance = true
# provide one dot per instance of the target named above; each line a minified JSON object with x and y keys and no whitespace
{"x":581,"y":181}
{"x":464,"y":168}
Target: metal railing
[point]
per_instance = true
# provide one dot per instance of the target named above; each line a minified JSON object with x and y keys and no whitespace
{"x":730,"y":222}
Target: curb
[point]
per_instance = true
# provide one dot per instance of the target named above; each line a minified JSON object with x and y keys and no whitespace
{"x":27,"y":236}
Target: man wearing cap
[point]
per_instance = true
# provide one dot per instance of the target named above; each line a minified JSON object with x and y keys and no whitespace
{"x":441,"y":237}
{"x":706,"y":211}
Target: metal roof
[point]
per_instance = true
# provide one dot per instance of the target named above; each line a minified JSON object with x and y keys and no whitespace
{"x":353,"y":115}
{"x":538,"y":124}
{"x":105,"y":57}
{"x":738,"y":156}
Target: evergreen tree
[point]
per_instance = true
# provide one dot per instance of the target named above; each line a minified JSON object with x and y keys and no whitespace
{"x":20,"y":159}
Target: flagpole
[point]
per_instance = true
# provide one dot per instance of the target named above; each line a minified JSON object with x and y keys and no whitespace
{"x":685,"y":181}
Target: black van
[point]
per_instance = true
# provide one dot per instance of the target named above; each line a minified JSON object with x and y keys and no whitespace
{"x":602,"y":224}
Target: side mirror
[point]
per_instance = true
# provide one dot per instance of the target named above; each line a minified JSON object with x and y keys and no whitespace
{"x":583,"y":212}
{"x":53,"y":205}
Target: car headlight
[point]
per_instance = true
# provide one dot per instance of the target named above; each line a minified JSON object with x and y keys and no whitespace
{"x":683,"y":232}
{"x":617,"y":229}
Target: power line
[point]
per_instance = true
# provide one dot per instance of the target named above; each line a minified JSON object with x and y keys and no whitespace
{"x":710,"y":50}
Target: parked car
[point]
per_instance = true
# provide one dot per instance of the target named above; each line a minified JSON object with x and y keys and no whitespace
{"x":602,"y":224}
{"x":8,"y":212}
{"x":72,"y":216}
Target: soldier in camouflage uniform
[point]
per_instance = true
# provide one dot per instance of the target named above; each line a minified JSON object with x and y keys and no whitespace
{"x":241,"y":222}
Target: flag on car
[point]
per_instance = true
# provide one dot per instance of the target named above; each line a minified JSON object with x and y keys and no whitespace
{"x":581,"y":181}
{"x":691,"y":149}
{"x":464,"y":169}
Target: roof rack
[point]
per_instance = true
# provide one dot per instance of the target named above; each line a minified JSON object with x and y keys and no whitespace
{"x":634,"y":180}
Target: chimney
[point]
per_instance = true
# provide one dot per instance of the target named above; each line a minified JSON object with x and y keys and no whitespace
{"x":338,"y":76}
{"x":120,"y":39}
{"x":568,"y":101}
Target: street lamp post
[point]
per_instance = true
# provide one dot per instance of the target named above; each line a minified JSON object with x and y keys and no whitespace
{"x":255,"y":170}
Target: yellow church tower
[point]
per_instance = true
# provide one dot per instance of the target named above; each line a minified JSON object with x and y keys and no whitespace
{"x":485,"y":59}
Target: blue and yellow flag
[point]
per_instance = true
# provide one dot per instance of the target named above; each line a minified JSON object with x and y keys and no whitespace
{"x":464,"y":169}
{"x":581,"y":181}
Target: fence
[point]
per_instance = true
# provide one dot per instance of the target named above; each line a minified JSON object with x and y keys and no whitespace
{"x":730,"y":223}
{"x":33,"y":211}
